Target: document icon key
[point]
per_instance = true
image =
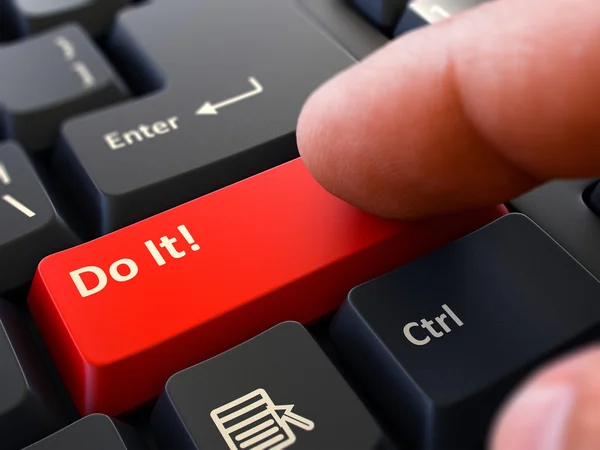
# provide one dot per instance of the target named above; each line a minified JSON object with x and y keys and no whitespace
{"x":256,"y":397}
{"x":254,"y":422}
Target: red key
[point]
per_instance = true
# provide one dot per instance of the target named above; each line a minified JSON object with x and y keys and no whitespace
{"x":124,"y":312}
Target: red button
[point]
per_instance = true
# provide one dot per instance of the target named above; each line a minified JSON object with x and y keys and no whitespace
{"x":124,"y":312}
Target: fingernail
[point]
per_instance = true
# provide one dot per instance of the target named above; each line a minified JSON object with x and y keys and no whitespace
{"x":557,"y":409}
{"x":540,"y":416}
{"x":547,"y":409}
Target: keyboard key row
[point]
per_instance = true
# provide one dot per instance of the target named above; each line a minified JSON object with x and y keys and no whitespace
{"x":272,"y":391}
{"x":435,"y":346}
{"x":187,"y":284}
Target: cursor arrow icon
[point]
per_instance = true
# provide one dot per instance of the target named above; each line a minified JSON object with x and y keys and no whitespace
{"x":210,"y":109}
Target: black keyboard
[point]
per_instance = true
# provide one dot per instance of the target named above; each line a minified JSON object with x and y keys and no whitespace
{"x":171,"y":277}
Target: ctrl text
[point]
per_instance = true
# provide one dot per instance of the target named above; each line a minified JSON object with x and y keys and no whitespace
{"x":423,"y":337}
{"x":117,"y":140}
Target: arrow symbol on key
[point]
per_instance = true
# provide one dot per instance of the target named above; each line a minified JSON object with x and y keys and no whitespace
{"x":209,"y":109}
{"x":4,"y":176}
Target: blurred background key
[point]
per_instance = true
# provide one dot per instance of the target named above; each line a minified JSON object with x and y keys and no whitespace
{"x":33,"y":16}
{"x":49,"y":78}
{"x":29,"y":407}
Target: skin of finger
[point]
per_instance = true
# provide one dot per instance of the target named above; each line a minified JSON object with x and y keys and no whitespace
{"x":584,"y":430}
{"x":578,"y":370}
{"x":462,"y":114}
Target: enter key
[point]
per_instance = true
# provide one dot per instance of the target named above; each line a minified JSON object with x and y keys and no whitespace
{"x":225,"y":92}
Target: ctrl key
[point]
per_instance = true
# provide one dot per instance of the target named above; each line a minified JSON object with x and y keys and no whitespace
{"x":272,"y":392}
{"x":440,"y":342}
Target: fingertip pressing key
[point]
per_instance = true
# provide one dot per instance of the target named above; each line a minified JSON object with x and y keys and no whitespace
{"x":470,"y":111}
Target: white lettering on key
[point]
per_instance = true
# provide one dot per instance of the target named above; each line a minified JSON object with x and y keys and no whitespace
{"x":411,"y":338}
{"x":155,"y":253}
{"x":209,"y":109}
{"x":117,"y":140}
{"x":87,"y":78}
{"x":18,"y":205}
{"x":429,"y":326}
{"x":102,"y":279}
{"x":66,"y":47}
{"x":113,"y":141}
{"x":84,"y":291}
{"x":126,"y":269}
{"x":167,"y":243}
{"x":116,"y":275}
{"x":4,"y":175}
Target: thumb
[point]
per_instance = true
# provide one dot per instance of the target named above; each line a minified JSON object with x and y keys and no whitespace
{"x":558,"y":409}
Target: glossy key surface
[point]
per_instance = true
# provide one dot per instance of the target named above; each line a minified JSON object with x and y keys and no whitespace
{"x":440,"y":342}
{"x":30,"y":226}
{"x":274,"y":391}
{"x":190,"y":283}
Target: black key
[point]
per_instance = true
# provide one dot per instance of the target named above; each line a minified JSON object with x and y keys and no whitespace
{"x":440,"y":342}
{"x":93,"y":432}
{"x":560,"y":209}
{"x":346,"y":25}
{"x":234,"y":78}
{"x":594,"y":199}
{"x":30,"y":227}
{"x":383,"y":13}
{"x":29,"y":408}
{"x":424,"y":12}
{"x":48,"y":78}
{"x":273,"y":391}
{"x":33,"y":16}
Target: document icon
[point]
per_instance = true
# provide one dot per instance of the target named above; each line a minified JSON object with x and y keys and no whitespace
{"x":253,"y":422}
